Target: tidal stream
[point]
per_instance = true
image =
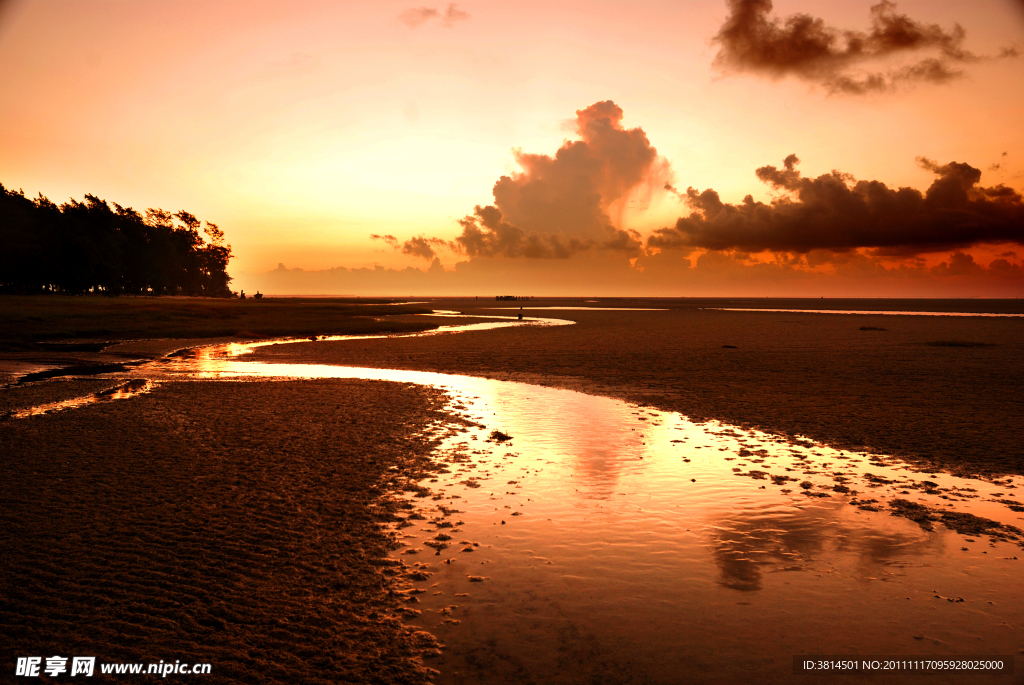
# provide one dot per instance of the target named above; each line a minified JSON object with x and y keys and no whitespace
{"x":575,"y":539}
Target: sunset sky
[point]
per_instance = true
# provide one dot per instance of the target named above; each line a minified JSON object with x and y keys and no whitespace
{"x":303,"y":128}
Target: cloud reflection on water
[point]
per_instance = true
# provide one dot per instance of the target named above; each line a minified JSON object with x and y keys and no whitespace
{"x":748,"y":543}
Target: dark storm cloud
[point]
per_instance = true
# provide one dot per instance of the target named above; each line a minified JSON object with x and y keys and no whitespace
{"x":417,"y":16}
{"x":559,"y":206}
{"x":753,"y":40}
{"x":836,"y":212}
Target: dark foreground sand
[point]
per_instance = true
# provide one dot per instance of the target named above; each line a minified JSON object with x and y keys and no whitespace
{"x":230,"y":523}
{"x":20,"y":397}
{"x":31,"y":322}
{"x":941,"y":391}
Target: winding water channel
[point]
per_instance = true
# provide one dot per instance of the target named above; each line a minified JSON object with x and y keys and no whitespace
{"x":591,"y":540}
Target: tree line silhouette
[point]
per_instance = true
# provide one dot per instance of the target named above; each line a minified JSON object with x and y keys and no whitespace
{"x":89,"y":247}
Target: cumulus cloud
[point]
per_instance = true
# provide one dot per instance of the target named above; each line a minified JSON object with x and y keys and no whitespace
{"x":486,"y":234}
{"x":417,"y":16}
{"x":559,"y":206}
{"x":752,"y":40}
{"x":838,"y":213}
{"x":423,"y":247}
{"x":961,"y":264}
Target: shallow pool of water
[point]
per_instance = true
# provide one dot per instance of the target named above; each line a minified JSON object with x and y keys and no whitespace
{"x":619,"y":543}
{"x":606,"y":542}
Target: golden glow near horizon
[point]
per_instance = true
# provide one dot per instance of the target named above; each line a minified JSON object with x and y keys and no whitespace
{"x":302,"y":128}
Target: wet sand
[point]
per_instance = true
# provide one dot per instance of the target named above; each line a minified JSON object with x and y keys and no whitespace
{"x":943,"y":392}
{"x":238,"y":522}
{"x":17,"y":398}
{"x":32,"y":322}
{"x":232,"y":523}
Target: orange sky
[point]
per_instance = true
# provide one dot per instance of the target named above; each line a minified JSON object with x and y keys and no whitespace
{"x":302,"y":128}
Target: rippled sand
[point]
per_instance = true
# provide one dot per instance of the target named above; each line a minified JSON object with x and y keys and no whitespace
{"x":234,"y":523}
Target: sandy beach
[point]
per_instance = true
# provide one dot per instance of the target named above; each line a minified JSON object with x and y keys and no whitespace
{"x":228,"y":523}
